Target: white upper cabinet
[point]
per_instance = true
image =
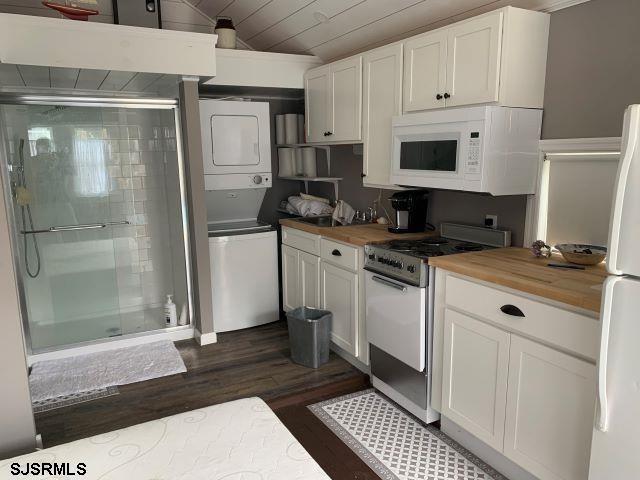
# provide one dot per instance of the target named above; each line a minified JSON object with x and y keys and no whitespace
{"x":317,"y":101}
{"x":382,"y":99}
{"x":425,"y":71}
{"x":473,"y":61}
{"x":496,"y":58}
{"x":333,"y":102}
{"x":345,"y":113}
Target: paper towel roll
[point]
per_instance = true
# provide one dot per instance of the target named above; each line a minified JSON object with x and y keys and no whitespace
{"x":286,"y":162}
{"x":280,"y":136}
{"x":299,"y":164}
{"x":309,"y":167}
{"x":301,"y":135}
{"x":291,"y":128}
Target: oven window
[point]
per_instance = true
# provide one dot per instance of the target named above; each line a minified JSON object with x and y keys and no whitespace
{"x":432,"y":155}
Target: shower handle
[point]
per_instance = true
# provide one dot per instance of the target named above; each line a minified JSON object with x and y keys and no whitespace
{"x":72,"y":228}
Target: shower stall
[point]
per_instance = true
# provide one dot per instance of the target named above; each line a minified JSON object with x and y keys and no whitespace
{"x":96,"y":196}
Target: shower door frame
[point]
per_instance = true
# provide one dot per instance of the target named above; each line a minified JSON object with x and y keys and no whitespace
{"x":95,"y":101}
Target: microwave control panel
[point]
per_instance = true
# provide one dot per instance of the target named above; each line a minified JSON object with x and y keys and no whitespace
{"x":473,"y":158}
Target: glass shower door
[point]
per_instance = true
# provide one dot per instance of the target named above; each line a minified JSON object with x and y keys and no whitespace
{"x":97,"y":217}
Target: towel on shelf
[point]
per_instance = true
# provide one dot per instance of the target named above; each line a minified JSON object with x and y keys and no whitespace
{"x":343,"y":212}
{"x":308,"y":208}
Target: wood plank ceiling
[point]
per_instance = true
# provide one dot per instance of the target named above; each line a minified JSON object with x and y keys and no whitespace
{"x":335,"y":28}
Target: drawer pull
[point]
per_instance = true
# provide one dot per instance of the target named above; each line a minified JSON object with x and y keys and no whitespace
{"x":511,"y":310}
{"x":336,"y":252}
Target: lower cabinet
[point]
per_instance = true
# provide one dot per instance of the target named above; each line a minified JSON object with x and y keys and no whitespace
{"x":300,"y":279}
{"x":311,"y":282}
{"x":529,"y":401}
{"x":339,"y":294}
{"x":550,"y":405}
{"x":475,"y":373}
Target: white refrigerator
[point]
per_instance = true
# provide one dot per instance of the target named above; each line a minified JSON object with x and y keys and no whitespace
{"x":615,"y":448}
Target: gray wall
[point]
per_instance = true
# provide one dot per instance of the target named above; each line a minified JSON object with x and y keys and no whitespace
{"x":198,"y":235}
{"x":593,"y":69}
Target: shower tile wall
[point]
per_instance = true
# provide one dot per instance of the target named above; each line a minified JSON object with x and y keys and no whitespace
{"x":142,"y":158}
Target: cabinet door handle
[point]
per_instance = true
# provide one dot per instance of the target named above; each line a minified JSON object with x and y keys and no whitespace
{"x":439,"y":97}
{"x":362,"y":175}
{"x":446,"y":95}
{"x":336,"y":253}
{"x":326,"y":134}
{"x":511,"y":310}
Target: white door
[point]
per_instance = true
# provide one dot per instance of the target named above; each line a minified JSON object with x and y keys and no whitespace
{"x":339,"y":295}
{"x":290,"y":278}
{"x":624,"y":256}
{"x":236,"y":137}
{"x":309,"y":280}
{"x":317,"y":103}
{"x":473,"y":61}
{"x":474,"y":382}
{"x":244,"y":296}
{"x":614,"y":452}
{"x":345,"y":113}
{"x":425,"y":71}
{"x":396,"y":319}
{"x":550,"y":401}
{"x":382,"y":99}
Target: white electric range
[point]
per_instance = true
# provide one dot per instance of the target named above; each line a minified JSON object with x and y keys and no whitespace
{"x":399,"y":309}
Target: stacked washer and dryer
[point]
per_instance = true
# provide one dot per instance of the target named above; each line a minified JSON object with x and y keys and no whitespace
{"x":236,"y":144}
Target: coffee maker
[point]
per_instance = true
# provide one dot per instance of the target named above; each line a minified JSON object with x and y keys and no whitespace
{"x":411,"y":211}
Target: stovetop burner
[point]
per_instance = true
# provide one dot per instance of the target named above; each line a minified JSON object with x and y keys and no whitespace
{"x":469,"y":247}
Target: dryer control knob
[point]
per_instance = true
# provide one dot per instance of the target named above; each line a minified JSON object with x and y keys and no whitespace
{"x":257,"y":179}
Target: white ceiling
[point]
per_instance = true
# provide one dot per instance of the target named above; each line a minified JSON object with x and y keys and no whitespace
{"x":295,"y":26}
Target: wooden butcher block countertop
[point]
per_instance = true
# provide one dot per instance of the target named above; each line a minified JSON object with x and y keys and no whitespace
{"x":517,"y":268}
{"x":355,"y":234}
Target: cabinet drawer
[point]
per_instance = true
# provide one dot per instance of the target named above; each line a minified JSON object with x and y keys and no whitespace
{"x":339,"y":254}
{"x":307,"y":242}
{"x":553,"y":325}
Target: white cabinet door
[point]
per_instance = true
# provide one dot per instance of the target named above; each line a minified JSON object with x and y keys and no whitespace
{"x":339,"y":294}
{"x":473,"y":60}
{"x":345,"y":112}
{"x":317,"y":103}
{"x":550,"y":409}
{"x":309,"y":280}
{"x":290,"y":278}
{"x":425,"y":71}
{"x":474,"y":381}
{"x":382,"y":99}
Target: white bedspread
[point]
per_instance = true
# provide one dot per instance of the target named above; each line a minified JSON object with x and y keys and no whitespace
{"x":240,"y":440}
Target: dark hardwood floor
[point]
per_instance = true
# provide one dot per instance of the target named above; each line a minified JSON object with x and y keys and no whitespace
{"x":253,"y":362}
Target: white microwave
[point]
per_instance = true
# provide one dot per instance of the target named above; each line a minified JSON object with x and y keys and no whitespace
{"x":485,"y":149}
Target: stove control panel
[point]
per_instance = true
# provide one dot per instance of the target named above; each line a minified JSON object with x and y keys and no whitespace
{"x":397,"y":265}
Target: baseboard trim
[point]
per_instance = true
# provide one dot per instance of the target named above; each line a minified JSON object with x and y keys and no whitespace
{"x":205,"y":338}
{"x":350,"y":358}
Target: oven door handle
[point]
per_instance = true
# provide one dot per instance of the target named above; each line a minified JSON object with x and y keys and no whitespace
{"x":389,"y":283}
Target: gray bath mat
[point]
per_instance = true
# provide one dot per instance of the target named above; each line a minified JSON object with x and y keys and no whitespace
{"x":62,"y":377}
{"x":41,"y":406}
{"x":394,"y":444}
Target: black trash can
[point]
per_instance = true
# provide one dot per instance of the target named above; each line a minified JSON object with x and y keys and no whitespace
{"x":309,"y":333}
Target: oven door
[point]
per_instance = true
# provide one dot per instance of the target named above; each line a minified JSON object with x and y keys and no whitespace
{"x":397,"y":319}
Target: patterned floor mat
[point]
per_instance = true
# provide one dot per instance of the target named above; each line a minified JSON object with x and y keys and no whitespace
{"x":47,"y":404}
{"x":394,"y":444}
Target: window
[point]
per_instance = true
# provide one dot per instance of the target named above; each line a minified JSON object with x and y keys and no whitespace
{"x":40,"y":138}
{"x":575,"y":196}
{"x":89,"y":155}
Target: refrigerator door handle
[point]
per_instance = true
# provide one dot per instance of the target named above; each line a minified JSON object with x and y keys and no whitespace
{"x":602,"y":419}
{"x":630,"y":144}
